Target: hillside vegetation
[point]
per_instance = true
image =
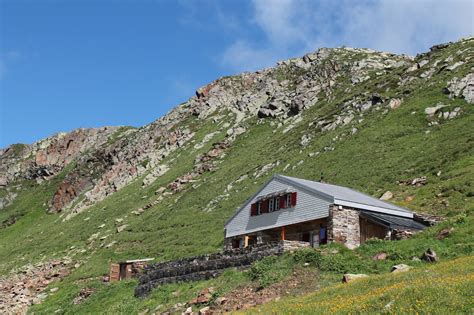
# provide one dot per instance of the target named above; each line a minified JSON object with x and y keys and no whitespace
{"x":358,"y":118}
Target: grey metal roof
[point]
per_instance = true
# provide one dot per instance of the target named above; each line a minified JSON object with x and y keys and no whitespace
{"x":394,"y":222}
{"x":348,"y":197}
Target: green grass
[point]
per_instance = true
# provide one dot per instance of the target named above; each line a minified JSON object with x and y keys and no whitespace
{"x":442,"y":288}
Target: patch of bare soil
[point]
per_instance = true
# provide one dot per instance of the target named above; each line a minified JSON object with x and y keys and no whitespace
{"x":302,"y":281}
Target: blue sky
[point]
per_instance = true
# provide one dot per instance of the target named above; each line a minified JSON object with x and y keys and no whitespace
{"x":66,"y":64}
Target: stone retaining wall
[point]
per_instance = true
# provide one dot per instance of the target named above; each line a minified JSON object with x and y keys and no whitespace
{"x":204,"y":266}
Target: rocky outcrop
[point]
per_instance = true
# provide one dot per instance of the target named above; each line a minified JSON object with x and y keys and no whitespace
{"x":20,"y":290}
{"x":462,"y":88}
{"x":48,"y":157}
{"x":99,"y":162}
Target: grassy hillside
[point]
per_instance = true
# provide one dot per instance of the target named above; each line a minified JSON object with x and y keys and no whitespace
{"x":440,"y":289}
{"x":389,"y":146}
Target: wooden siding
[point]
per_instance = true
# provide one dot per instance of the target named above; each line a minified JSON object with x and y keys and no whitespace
{"x":309,"y":206}
{"x":114,"y":274}
{"x":370,"y":229}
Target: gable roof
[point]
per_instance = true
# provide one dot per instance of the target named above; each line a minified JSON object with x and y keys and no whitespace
{"x":334,"y":194}
{"x":348,"y":197}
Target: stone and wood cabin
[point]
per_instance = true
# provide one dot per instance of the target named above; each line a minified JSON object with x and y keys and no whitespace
{"x":293,"y":209}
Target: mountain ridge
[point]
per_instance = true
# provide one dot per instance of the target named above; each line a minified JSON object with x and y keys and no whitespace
{"x":367,"y":120}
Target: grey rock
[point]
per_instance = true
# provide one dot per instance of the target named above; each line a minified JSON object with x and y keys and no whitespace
{"x":431,"y":111}
{"x":400,"y":268}
{"x":387,"y":195}
{"x":348,"y":277}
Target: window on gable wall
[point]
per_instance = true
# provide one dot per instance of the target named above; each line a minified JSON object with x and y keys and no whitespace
{"x":288,"y":201}
{"x":273,"y":204}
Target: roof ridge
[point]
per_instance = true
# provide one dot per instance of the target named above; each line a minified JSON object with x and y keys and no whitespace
{"x":398,"y":208}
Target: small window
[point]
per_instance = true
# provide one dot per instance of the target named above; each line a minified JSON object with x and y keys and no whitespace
{"x":259,"y":206}
{"x":277,"y":203}
{"x":271,"y":204}
{"x":288,"y":200}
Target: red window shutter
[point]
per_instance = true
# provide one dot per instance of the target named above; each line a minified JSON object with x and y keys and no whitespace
{"x":253,"y":209}
{"x":264,"y":208}
{"x":293,"y":199}
{"x":282,"y":202}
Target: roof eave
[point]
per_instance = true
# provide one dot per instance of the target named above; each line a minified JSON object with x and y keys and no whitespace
{"x":356,"y":205}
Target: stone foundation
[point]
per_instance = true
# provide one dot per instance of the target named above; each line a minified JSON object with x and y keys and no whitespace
{"x":344,"y":226}
{"x":291,"y":246}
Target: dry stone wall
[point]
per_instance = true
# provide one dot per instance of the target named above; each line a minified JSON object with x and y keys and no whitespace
{"x":203,"y":267}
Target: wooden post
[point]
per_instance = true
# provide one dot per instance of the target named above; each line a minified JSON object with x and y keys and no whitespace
{"x":283,"y":236}
{"x":246,"y":241}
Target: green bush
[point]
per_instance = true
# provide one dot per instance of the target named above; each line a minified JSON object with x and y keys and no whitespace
{"x":270,"y":270}
{"x":308,"y":255}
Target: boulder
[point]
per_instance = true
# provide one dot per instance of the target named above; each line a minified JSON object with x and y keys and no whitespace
{"x":395,"y":103}
{"x":387,"y":195}
{"x":380,"y":256}
{"x":400,"y":268}
{"x":121,"y":228}
{"x":348,"y":277}
{"x":444,"y":233}
{"x":431,"y":111}
{"x":419,"y":181}
{"x":429,"y":256}
{"x":205,"y":311}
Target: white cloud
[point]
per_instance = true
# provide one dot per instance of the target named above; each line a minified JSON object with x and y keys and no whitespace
{"x":294,"y":27}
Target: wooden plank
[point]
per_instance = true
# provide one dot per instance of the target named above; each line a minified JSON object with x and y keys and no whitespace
{"x":114,"y":272}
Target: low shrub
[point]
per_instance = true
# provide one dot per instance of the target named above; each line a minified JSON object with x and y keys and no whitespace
{"x":270,"y":270}
{"x":308,"y":255}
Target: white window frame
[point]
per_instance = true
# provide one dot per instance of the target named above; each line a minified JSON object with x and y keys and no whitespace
{"x":271,"y":205}
{"x":277,"y":203}
{"x":288,"y":200}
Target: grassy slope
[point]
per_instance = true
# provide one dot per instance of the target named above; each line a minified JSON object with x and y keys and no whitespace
{"x":388,"y":147}
{"x":438,"y":289}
